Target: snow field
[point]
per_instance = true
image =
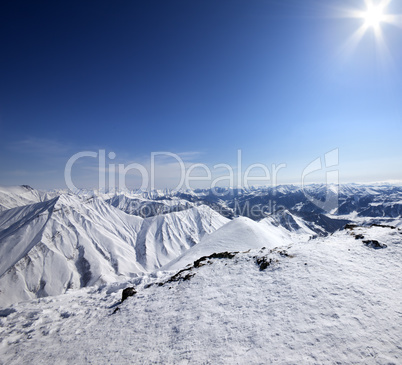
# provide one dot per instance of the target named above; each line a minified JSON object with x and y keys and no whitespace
{"x":330,"y":300}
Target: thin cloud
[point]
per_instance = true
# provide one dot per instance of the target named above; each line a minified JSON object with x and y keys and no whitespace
{"x":40,"y":146}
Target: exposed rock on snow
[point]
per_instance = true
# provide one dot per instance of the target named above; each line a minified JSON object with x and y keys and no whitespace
{"x":62,"y":241}
{"x":216,"y":295}
{"x":374,"y":244}
{"x":343,"y":307}
{"x":240,"y":234}
{"x":128,"y":292}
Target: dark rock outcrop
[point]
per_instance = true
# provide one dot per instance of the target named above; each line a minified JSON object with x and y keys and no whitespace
{"x":128,"y":292}
{"x":374,"y":244}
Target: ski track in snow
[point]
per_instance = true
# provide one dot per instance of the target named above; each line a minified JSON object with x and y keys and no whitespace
{"x":331,"y":300}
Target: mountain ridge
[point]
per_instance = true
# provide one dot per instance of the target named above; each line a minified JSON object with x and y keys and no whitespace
{"x":71,"y":242}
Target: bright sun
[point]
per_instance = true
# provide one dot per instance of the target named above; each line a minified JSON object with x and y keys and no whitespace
{"x":374,"y":16}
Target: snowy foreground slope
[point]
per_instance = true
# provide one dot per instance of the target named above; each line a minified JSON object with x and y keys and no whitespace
{"x":334,"y":299}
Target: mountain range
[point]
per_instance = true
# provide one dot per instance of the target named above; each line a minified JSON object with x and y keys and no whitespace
{"x":54,"y":241}
{"x":249,"y":276}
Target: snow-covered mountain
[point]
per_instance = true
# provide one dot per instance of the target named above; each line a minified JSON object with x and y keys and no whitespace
{"x":241,"y":234}
{"x":51,"y":241}
{"x":292,"y":285}
{"x":375,"y":200}
{"x":330,"y":300}
{"x":71,"y":242}
{"x":372,"y":200}
{"x":293,"y":224}
{"x":164,"y":237}
{"x":17,"y":196}
{"x":144,"y":207}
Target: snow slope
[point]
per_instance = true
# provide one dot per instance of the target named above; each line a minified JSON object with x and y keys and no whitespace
{"x":16,"y":196}
{"x":71,"y":242}
{"x":240,"y":234}
{"x":162,"y":238}
{"x":293,"y":224}
{"x":331,"y":300}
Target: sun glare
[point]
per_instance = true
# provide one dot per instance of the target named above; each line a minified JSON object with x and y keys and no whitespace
{"x":374,"y":16}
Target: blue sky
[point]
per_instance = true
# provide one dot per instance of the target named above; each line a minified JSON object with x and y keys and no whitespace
{"x":278,"y":79}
